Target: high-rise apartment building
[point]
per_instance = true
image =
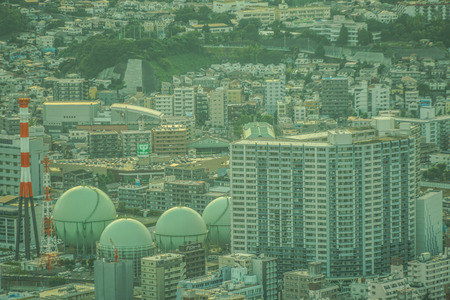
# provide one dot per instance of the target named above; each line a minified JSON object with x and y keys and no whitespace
{"x":334,"y":97}
{"x":183,"y":101}
{"x":348,"y":201}
{"x":160,"y":275}
{"x":274,"y":92}
{"x":429,"y":223}
{"x":218,"y":108}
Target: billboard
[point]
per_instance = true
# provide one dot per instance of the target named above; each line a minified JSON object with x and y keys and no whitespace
{"x":143,"y":150}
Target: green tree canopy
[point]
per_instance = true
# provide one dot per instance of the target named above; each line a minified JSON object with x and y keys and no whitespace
{"x":343,"y":36}
{"x":364,"y":37}
{"x":11,"y":21}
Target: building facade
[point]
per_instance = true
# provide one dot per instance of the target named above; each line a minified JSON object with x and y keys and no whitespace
{"x":104,"y":144}
{"x":429,"y":223}
{"x":160,"y":275}
{"x":170,"y":140}
{"x":348,"y":202}
{"x":334,"y":97}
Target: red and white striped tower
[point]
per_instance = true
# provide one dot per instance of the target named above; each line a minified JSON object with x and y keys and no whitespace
{"x":49,"y":245}
{"x":25,"y":192}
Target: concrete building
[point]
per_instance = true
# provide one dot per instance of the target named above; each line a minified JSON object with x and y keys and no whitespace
{"x":435,"y":129}
{"x":307,"y":284}
{"x":164,"y":104}
{"x":304,"y":200}
{"x":429,"y":9}
{"x":160,"y":275}
{"x":194,"y":256}
{"x":10,"y":124}
{"x":183,"y":101}
{"x":170,"y":140}
{"x":331,"y":28}
{"x":62,"y":116}
{"x":193,"y":194}
{"x":68,"y":292}
{"x":8,"y":226}
{"x":274,"y":92}
{"x":264,"y":268}
{"x":78,"y":177}
{"x":218,"y":108}
{"x":10,"y":165}
{"x":113,"y":280}
{"x":130,"y":139}
{"x":234,"y":95}
{"x":70,"y":90}
{"x":379,"y":98}
{"x":361,"y":94}
{"x":432,"y":272}
{"x":429,"y":223}
{"x":334,"y":97}
{"x":392,"y":287}
{"x":133,"y":195}
{"x":183,"y":172}
{"x":104,"y":144}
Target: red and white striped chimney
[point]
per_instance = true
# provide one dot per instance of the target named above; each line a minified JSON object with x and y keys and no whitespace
{"x":25,"y":174}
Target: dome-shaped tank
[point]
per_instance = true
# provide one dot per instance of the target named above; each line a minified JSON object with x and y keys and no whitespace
{"x":217,"y":216}
{"x":81,"y":214}
{"x":131,"y":239}
{"x":177,"y":226}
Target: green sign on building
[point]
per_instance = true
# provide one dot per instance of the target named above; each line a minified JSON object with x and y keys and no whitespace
{"x":143,"y":150}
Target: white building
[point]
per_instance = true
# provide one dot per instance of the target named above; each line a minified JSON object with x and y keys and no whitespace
{"x":380,"y":97}
{"x":312,"y":199}
{"x":436,"y":130}
{"x":274,"y":92}
{"x":184,"y":102}
{"x":429,"y":223}
{"x":431,"y":9}
{"x":431,"y":271}
{"x":164,"y":104}
{"x":132,"y":138}
{"x":331,"y":28}
{"x":440,"y":158}
{"x":361,"y":103}
{"x":299,"y":113}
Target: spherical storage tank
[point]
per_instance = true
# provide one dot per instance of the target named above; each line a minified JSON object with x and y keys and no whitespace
{"x":81,"y":214}
{"x":178,"y":226}
{"x":131,"y":239}
{"x":217,"y":216}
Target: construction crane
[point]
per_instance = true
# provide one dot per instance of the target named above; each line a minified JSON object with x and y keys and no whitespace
{"x":116,"y":252}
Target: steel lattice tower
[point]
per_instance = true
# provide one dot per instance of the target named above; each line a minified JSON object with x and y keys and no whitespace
{"x":26,"y":201}
{"x":49,"y":245}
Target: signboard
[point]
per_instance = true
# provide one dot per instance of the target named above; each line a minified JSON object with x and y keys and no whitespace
{"x":143,"y":150}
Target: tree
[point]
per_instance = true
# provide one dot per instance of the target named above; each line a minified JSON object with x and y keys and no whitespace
{"x":320,"y":51}
{"x":343,"y":36}
{"x":364,"y":37}
{"x":204,"y":13}
{"x":11,"y":21}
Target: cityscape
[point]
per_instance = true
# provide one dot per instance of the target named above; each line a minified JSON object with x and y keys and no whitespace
{"x":225,"y":149}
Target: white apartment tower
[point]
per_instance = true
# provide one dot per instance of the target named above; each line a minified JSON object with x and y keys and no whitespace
{"x":348,"y":202}
{"x":274,"y":92}
{"x":183,"y":102}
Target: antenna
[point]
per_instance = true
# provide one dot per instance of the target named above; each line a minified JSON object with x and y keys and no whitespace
{"x":49,"y":255}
